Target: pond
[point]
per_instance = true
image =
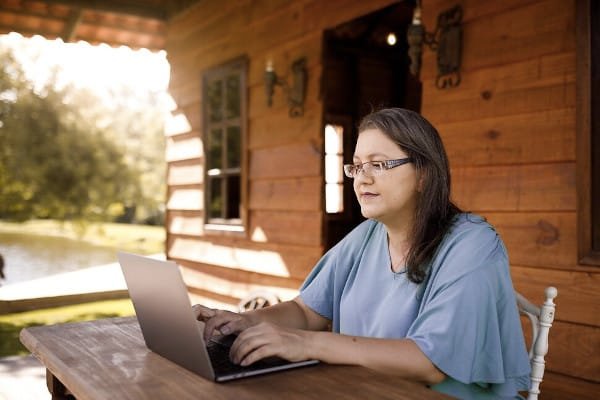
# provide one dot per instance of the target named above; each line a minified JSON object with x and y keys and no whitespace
{"x":29,"y":256}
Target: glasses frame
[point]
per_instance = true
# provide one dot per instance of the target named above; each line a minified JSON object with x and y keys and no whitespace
{"x":386,"y":164}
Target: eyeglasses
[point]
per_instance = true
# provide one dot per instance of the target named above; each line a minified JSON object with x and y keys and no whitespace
{"x":373,"y":168}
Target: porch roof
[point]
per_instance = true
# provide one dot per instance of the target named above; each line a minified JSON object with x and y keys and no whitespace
{"x":133,"y":23}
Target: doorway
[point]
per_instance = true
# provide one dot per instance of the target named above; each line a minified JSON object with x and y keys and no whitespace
{"x":365,"y":67}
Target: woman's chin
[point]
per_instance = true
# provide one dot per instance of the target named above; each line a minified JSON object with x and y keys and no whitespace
{"x":369,"y":212}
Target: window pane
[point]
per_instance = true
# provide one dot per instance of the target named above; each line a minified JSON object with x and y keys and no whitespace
{"x":214,"y":100}
{"x":333,"y":169}
{"x":215,"y":149}
{"x":334,"y":139}
{"x":215,"y":198}
{"x":233,"y":147}
{"x":233,"y":197}
{"x":334,"y":198}
{"x":232,"y":103}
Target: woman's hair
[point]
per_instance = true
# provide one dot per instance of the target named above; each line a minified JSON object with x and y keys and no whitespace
{"x":434,"y":212}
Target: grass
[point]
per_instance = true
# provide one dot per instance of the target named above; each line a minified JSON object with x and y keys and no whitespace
{"x":11,"y":324}
{"x":143,"y":239}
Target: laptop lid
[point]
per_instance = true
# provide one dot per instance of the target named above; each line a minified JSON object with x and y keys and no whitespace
{"x":164,"y":312}
{"x":168,"y":324}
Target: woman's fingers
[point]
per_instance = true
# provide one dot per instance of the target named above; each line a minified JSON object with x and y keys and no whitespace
{"x":266,"y":340}
{"x":203,"y":313}
{"x":225,"y":323}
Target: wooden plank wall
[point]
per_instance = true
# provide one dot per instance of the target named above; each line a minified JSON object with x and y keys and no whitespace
{"x":284,"y":236}
{"x":509,"y":129}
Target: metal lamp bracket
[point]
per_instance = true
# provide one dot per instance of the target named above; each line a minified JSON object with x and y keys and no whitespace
{"x":445,"y":40}
{"x":295,"y":93}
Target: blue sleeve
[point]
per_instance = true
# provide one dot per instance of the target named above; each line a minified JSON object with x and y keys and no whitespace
{"x":322,"y":289}
{"x":317,"y":290}
{"x":468,"y":323}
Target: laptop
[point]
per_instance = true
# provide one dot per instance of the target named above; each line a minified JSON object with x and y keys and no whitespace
{"x":170,"y":328}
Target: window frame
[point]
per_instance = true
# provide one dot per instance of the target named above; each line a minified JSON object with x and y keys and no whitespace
{"x":588,"y":134}
{"x":235,"y":226}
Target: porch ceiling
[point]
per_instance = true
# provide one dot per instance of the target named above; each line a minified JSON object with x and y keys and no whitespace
{"x":133,"y":23}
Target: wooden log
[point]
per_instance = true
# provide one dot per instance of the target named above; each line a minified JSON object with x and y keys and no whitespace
{"x":536,"y":187}
{"x":205,"y":278}
{"x":559,"y":387}
{"x":185,"y":198}
{"x":510,"y":36}
{"x":286,"y":261}
{"x":278,"y":129}
{"x":537,"y":239}
{"x":181,"y":222}
{"x":300,"y":194}
{"x":184,"y":147}
{"x":185,"y":172}
{"x":490,"y":105}
{"x":574,"y":350}
{"x":297,"y":227}
{"x":539,"y":137}
{"x":545,"y":70}
{"x":579,"y":298}
{"x":299,"y":160}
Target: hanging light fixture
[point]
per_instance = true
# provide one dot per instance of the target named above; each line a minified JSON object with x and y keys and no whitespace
{"x":445,"y":40}
{"x":295,"y":93}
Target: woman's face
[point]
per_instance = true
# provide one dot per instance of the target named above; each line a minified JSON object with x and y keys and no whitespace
{"x":391,"y":196}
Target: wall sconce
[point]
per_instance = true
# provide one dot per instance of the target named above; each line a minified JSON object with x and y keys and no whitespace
{"x":446,"y":40}
{"x":295,"y":93}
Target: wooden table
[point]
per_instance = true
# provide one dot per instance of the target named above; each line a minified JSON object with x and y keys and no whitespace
{"x":107,"y":359}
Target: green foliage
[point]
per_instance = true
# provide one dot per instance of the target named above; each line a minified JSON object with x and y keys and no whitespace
{"x":12,"y":324}
{"x":65,"y":155}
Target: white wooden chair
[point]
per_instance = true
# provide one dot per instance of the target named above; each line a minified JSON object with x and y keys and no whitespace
{"x":541,"y":319}
{"x":257,"y":299}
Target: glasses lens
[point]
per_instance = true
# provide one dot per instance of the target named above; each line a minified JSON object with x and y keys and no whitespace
{"x":349,"y":170}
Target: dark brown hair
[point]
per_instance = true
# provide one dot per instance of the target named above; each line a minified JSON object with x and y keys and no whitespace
{"x":435,"y":211}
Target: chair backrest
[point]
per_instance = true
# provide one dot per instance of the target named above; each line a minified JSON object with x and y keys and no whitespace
{"x":541,"y":319}
{"x":257,"y":299}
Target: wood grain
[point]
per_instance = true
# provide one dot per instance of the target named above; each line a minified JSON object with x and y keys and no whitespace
{"x":559,"y":387}
{"x":298,"y":227}
{"x":299,"y":160}
{"x":281,"y":260}
{"x":578,"y":300}
{"x":573,"y":350}
{"x":107,"y":359}
{"x":539,"y":137}
{"x":300,"y":194}
{"x":537,"y":239}
{"x":536,"y":187}
{"x":509,"y":36}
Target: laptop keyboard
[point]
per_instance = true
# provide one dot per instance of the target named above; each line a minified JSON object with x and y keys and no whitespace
{"x":218,"y":351}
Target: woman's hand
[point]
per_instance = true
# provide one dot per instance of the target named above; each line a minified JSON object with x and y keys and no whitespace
{"x":221,"y":321}
{"x":266,"y":340}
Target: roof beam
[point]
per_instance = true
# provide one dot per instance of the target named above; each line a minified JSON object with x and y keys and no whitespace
{"x":127,"y":7}
{"x":71,"y":25}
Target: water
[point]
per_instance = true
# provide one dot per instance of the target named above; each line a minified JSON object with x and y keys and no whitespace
{"x":29,"y":257}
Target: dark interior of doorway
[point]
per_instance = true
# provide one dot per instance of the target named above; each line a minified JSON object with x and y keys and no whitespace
{"x":362,"y":73}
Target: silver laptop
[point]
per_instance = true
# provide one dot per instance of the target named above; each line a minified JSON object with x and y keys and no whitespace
{"x":170,"y":328}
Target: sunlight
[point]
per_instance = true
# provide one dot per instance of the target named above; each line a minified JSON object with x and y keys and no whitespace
{"x":99,"y":68}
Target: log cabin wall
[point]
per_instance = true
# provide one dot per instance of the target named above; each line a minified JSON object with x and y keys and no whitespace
{"x":509,"y":130}
{"x":284,"y":155}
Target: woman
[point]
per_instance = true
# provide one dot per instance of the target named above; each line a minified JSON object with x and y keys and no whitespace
{"x":419,"y":290}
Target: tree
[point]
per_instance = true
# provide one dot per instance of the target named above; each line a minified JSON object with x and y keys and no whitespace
{"x":54,"y":164}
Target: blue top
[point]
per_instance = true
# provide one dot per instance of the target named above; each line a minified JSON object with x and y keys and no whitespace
{"x":463,"y":317}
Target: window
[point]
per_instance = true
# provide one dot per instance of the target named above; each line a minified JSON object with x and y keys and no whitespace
{"x":334,"y":177}
{"x":224,"y":110}
{"x":588,"y":131}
